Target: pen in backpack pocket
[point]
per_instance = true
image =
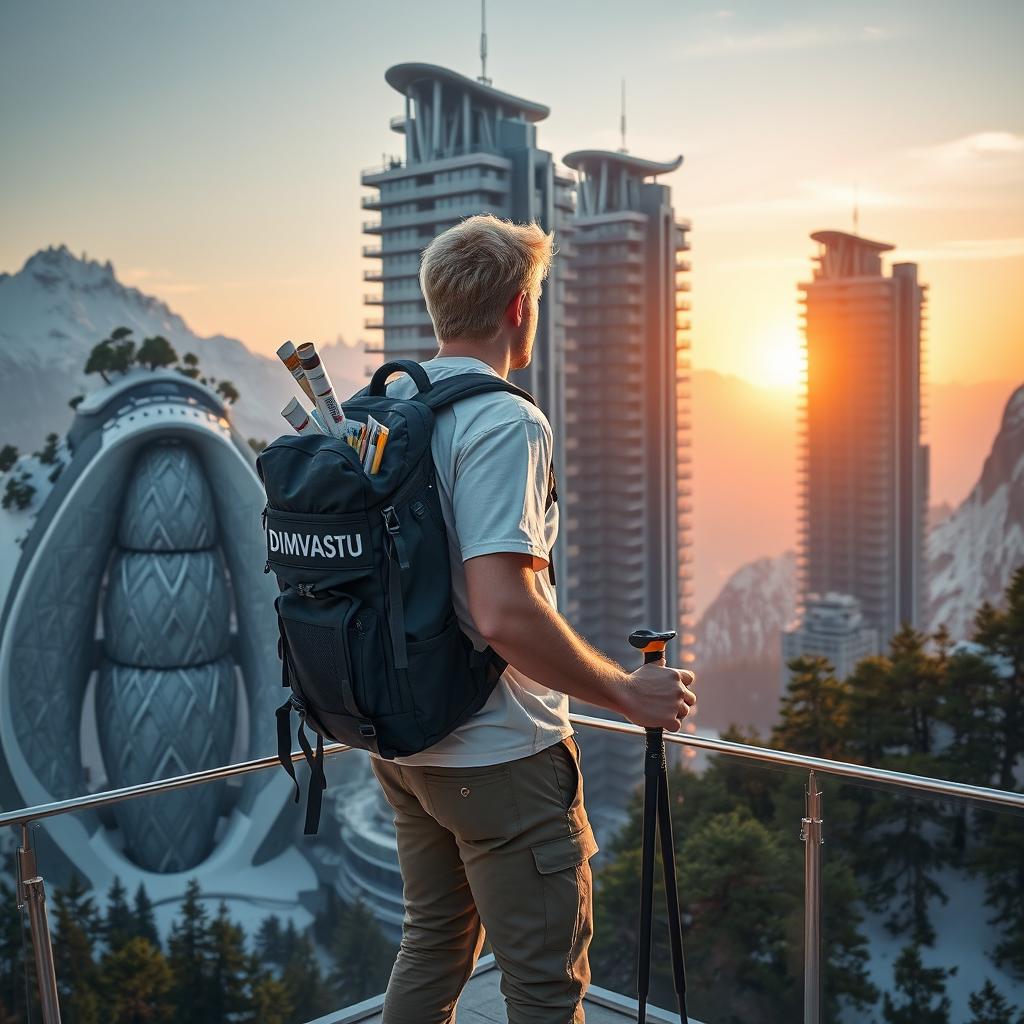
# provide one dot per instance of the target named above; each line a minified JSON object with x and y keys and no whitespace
{"x":373,"y":433}
{"x":382,"y":440}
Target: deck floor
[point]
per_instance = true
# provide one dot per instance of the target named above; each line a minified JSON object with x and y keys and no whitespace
{"x":483,"y":1003}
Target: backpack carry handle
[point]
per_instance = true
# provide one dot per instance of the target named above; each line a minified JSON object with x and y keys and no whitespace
{"x":409,"y":366}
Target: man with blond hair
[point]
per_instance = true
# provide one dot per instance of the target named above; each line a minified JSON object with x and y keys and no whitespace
{"x":493,"y":836}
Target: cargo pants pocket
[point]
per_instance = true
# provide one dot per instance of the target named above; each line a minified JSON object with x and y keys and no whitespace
{"x":566,"y":885}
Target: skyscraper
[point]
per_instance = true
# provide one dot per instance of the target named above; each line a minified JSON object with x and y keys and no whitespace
{"x":627,"y":482}
{"x":469,"y":148}
{"x":864,"y":471}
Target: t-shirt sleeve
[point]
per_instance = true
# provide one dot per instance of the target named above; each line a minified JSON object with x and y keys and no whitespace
{"x":501,"y":488}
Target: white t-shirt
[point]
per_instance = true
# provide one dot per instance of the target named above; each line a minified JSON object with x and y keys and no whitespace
{"x":492,"y":454}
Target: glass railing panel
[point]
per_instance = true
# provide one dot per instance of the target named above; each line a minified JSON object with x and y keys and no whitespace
{"x":739,"y":865}
{"x":211,"y":898}
{"x":922,"y":906}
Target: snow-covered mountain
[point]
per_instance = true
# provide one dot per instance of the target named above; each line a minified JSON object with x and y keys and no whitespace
{"x":973,"y":552}
{"x":739,"y":660}
{"x":752,"y":608}
{"x":58,"y":306}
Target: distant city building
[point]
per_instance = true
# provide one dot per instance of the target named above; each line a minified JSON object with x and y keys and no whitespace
{"x":831,"y":626}
{"x":864,"y":470}
{"x":469,"y":149}
{"x":626,"y":487}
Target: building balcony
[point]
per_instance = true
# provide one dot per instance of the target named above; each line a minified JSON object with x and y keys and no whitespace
{"x":373,"y":252}
{"x":372,"y":299}
{"x":372,"y":227}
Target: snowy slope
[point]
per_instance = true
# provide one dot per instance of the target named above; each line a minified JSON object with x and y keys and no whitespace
{"x":739,"y":660}
{"x":973,"y":552}
{"x":745,"y":620}
{"x":58,"y":306}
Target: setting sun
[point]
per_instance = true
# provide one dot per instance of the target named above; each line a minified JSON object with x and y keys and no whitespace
{"x":779,"y":358}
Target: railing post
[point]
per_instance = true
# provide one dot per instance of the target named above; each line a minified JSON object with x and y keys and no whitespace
{"x":810,"y":833}
{"x":31,"y":894}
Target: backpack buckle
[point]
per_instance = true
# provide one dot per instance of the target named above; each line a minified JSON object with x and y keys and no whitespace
{"x":367,"y":731}
{"x":390,"y":519}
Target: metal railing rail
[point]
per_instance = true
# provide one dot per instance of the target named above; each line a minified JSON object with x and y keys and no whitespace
{"x":31,"y":892}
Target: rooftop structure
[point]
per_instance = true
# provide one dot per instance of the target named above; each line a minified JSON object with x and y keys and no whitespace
{"x":469,"y":148}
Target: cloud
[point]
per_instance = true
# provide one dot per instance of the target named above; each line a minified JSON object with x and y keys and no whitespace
{"x":822,"y":198}
{"x":968,"y":249}
{"x":981,"y":146}
{"x":796,"y":37}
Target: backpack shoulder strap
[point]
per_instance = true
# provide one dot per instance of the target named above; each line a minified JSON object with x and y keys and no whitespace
{"x":465,"y":385}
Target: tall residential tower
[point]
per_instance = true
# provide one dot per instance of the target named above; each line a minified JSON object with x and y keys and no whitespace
{"x":627,"y":482}
{"x":469,"y":148}
{"x":864,"y":473}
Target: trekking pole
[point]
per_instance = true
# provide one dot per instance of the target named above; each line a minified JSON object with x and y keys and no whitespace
{"x":657,"y":816}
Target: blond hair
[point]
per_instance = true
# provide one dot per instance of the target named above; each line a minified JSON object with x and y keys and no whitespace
{"x":471,"y":272}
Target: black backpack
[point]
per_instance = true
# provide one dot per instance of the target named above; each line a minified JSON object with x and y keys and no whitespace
{"x":369,"y":642}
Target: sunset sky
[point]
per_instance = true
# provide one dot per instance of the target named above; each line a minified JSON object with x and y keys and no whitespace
{"x":212,"y":151}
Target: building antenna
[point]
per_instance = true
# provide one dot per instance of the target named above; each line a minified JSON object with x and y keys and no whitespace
{"x":622,"y":119}
{"x":856,"y":209}
{"x":483,"y":44}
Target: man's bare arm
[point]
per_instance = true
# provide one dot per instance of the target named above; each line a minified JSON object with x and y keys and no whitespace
{"x":526,"y":631}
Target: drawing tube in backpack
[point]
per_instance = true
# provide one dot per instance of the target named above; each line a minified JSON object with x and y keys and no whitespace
{"x":300,"y":420}
{"x":372,"y":653}
{"x":319,"y":380}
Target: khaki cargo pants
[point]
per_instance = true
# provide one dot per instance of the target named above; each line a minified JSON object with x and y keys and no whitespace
{"x":503,"y":849}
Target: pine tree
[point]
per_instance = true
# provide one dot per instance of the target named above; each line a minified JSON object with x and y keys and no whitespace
{"x":48,"y":456}
{"x":145,"y":922}
{"x":874,"y":731}
{"x":923,"y":991}
{"x":136,"y":985}
{"x":915,"y":677}
{"x":813,"y":716}
{"x":8,"y":457}
{"x":988,"y":1006}
{"x":119,"y":925}
{"x":968,"y":709}
{"x":270,"y":944}
{"x":76,"y":928}
{"x":1001,"y":633}
{"x":844,"y":953}
{"x":229,"y":969}
{"x":190,"y":952}
{"x":308,"y":993}
{"x":268,"y":998}
{"x":19,"y":492}
{"x":362,"y":956}
{"x":1000,"y":859}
